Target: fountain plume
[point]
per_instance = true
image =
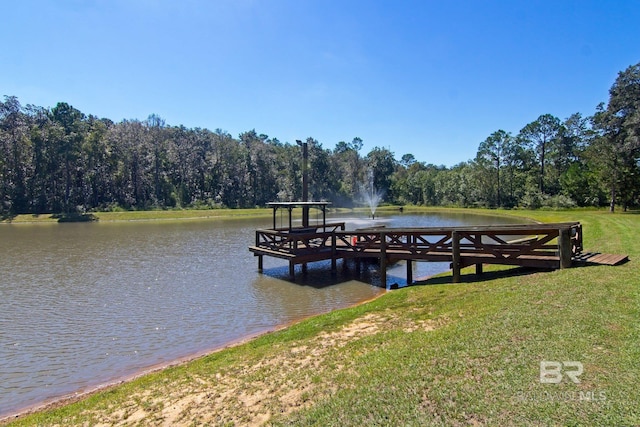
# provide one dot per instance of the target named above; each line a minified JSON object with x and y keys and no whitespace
{"x":369,"y":195}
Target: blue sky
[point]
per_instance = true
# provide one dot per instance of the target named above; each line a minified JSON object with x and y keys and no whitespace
{"x":430,"y":78}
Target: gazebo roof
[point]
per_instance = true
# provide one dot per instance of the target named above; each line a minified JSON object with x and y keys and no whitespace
{"x":297,"y":204}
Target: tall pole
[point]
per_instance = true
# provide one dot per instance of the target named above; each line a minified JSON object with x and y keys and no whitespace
{"x":305,"y":182}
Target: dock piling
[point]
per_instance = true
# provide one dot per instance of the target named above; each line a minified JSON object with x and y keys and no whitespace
{"x":455,"y":256}
{"x":409,"y":272}
{"x":564,"y":247}
{"x":383,"y":259}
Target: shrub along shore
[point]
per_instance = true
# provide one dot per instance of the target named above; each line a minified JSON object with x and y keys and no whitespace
{"x":435,"y":353}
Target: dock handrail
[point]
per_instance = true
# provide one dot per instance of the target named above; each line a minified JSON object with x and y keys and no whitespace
{"x":540,"y":245}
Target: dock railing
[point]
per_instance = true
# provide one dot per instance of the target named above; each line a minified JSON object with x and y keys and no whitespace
{"x":529,"y":245}
{"x":290,"y":241}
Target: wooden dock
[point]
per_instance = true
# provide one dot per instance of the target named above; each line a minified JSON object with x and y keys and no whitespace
{"x":549,"y":246}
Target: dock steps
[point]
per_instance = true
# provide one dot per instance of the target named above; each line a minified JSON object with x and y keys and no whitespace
{"x":601,"y":259}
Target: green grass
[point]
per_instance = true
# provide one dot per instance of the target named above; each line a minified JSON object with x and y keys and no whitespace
{"x":436,"y":354}
{"x":174,"y":214}
{"x":181,"y":214}
{"x":158,"y":215}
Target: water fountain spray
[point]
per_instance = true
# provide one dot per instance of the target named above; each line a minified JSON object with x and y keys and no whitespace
{"x":369,"y":195}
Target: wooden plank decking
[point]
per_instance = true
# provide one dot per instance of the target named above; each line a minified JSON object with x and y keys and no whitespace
{"x":532,"y":245}
{"x":602,"y":259}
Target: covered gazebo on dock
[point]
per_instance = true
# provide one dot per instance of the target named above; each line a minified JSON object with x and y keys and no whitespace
{"x":299,"y":244}
{"x":290,"y":206}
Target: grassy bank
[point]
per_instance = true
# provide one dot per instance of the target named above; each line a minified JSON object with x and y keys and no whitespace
{"x":166,"y":215}
{"x":436,"y":354}
{"x":177,"y":214}
{"x":186,"y":214}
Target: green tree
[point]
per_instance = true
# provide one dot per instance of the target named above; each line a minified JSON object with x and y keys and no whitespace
{"x":617,"y":145}
{"x":156,"y":137}
{"x":181,"y":165}
{"x":204,"y":145}
{"x":97,"y":185}
{"x":260,"y":162}
{"x":289,"y":171}
{"x":426,"y":179}
{"x":350,"y":166}
{"x":14,"y":155}
{"x":322,"y":174}
{"x":134,"y":164}
{"x":229,"y":170}
{"x":582,"y":185}
{"x":43,"y":133}
{"x":382,"y":164}
{"x":407,"y":160}
{"x":491,"y":154}
{"x":456,"y":186}
{"x":574,"y":136}
{"x":539,"y":135}
{"x":73,"y":126}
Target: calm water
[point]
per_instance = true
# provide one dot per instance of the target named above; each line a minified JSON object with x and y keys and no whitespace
{"x":85,"y":304}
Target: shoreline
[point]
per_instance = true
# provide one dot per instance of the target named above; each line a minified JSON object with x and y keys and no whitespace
{"x":257,"y":214}
{"x":226,"y":213}
{"x":435,"y":341}
{"x":57,"y":402}
{"x":70,"y":398}
{"x":89,"y":390}
{"x":115,"y":381}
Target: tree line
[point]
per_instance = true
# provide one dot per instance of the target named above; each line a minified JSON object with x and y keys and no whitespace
{"x":60,"y":160}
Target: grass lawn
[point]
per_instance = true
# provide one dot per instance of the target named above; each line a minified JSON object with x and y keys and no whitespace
{"x":173,"y":214}
{"x":432,"y":354}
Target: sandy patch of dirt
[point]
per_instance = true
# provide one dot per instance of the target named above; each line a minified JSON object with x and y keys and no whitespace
{"x":252,"y":394}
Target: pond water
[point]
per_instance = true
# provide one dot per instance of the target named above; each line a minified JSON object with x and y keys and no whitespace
{"x":86,"y":304}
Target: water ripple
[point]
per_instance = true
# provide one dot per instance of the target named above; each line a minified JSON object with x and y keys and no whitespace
{"x":84,"y":304}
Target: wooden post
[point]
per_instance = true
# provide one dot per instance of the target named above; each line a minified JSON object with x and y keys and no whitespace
{"x":455,"y":256}
{"x":409,"y":272}
{"x":564,"y":247}
{"x":305,"y":184}
{"x":478,"y":246}
{"x":333,"y":251}
{"x":292,"y":270}
{"x":275,"y":209}
{"x":260,"y":263}
{"x":324,"y":218}
{"x":383,"y":259}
